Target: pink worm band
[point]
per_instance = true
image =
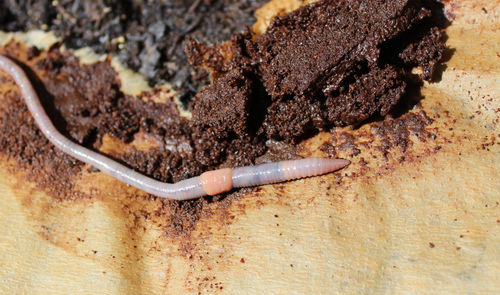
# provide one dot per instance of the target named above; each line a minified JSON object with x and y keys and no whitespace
{"x":208,"y":183}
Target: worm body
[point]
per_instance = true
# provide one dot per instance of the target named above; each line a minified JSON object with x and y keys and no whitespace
{"x":208,"y":183}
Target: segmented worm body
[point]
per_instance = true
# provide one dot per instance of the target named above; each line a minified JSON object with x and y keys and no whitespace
{"x":209,"y":183}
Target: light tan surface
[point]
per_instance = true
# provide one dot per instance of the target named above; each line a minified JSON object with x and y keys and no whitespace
{"x":273,"y":8}
{"x":428,"y":225}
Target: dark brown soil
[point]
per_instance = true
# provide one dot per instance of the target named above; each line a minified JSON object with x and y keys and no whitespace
{"x":332,"y":63}
{"x":324,"y":65}
{"x":154,"y":32}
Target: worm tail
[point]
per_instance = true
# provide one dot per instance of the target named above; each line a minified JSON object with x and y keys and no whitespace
{"x":310,"y":167}
{"x":285,"y":170}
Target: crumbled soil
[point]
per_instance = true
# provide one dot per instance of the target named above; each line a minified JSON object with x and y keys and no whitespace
{"x":153,"y":32}
{"x":327,"y":64}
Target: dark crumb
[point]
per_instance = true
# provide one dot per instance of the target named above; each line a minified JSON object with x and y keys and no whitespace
{"x":346,"y":142}
{"x":328,"y":149}
{"x":396,"y":132}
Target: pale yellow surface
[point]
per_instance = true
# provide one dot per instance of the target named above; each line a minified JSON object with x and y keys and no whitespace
{"x":428,"y":225}
{"x":273,"y":8}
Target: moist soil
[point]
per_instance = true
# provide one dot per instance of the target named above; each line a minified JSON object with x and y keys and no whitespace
{"x":328,"y":64}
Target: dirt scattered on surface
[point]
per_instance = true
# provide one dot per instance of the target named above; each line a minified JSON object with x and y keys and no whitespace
{"x":86,"y":104}
{"x":255,"y":110}
{"x":396,"y":132}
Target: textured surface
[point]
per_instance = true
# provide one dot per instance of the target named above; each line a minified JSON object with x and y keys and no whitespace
{"x":427,"y":223}
{"x":148,"y":36}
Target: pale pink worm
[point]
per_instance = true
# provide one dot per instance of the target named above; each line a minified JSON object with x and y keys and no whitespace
{"x":209,"y":183}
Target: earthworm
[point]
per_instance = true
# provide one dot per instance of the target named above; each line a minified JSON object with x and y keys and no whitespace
{"x":208,"y":183}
